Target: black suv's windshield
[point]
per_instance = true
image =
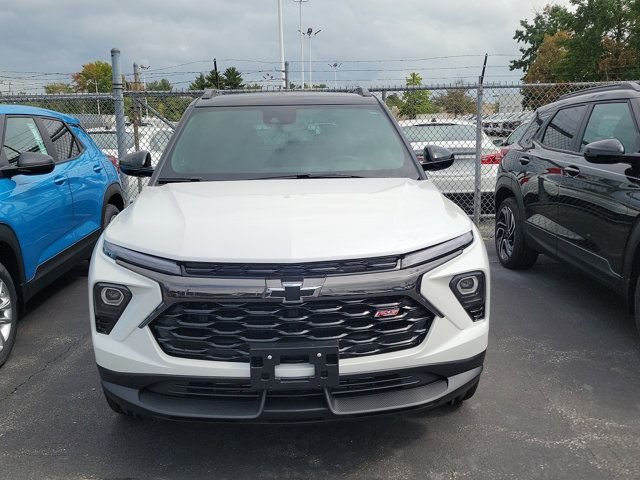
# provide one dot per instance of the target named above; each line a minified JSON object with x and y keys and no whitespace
{"x":310,"y":141}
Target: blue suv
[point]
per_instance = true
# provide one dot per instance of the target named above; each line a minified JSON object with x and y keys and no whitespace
{"x":57,"y":192}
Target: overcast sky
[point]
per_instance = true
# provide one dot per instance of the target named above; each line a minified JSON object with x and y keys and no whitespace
{"x":59,"y":36}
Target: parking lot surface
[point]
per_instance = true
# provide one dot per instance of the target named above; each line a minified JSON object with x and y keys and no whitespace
{"x":559,"y":398}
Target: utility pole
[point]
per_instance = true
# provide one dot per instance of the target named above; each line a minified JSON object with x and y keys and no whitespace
{"x":215,"y":69}
{"x":281,"y":39}
{"x":286,"y":75}
{"x":300,"y":2}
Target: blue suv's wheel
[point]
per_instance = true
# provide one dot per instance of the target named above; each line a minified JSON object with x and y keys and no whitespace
{"x":8,"y":314}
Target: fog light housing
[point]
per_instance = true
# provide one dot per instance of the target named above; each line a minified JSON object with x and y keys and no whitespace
{"x":109,"y":301}
{"x":469,"y":289}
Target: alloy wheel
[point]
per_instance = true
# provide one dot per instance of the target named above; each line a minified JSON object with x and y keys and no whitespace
{"x":505,"y":233}
{"x":6,"y":314}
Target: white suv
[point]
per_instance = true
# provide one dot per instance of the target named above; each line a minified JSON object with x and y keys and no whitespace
{"x":289,"y":260}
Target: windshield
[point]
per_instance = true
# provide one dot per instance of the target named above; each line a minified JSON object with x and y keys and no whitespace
{"x":109,"y":140}
{"x":252,"y":142}
{"x":440,"y":132}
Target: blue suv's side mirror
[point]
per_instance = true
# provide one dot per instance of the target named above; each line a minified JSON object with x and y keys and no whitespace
{"x":29,"y":163}
{"x":137,"y":164}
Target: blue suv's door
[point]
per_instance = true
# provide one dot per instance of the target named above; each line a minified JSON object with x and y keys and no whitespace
{"x":87,"y":176}
{"x":39,"y":208}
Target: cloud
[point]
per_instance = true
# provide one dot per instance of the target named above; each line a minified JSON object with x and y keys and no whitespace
{"x":58,"y":37}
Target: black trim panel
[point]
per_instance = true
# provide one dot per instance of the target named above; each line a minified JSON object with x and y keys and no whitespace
{"x":64,"y":261}
{"x":131,"y":393}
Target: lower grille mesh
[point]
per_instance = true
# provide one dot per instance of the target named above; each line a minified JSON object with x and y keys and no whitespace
{"x":224,"y":331}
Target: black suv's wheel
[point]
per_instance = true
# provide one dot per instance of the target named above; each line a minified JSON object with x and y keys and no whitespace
{"x":110,"y":212}
{"x":511,"y":248}
{"x":8,"y":314}
{"x":636,"y":305}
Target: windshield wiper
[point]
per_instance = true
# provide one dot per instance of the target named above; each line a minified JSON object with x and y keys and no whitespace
{"x":163,"y":180}
{"x":309,"y":175}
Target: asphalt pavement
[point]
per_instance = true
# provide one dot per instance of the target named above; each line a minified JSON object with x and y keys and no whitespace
{"x":559,"y":398}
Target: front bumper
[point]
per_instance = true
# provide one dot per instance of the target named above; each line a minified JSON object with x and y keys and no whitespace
{"x":220,"y":400}
{"x":131,"y":360}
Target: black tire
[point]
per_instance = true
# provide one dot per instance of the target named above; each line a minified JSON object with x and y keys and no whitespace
{"x":110,"y":211}
{"x":512,"y":250}
{"x":636,"y":305}
{"x":8,"y":314}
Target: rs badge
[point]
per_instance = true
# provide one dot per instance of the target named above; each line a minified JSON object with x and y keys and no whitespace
{"x":390,"y":312}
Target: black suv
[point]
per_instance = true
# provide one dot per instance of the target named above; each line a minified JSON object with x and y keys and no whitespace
{"x":571,"y":188}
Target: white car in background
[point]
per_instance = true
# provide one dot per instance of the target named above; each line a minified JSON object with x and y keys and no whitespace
{"x":459,"y":136}
{"x":152,"y":139}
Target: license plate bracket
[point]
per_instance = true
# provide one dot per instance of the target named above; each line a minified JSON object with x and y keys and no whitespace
{"x":322,"y":355}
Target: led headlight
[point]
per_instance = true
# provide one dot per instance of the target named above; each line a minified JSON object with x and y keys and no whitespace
{"x":443,"y":251}
{"x":139,"y":259}
{"x":469,"y":289}
{"x":109,"y":301}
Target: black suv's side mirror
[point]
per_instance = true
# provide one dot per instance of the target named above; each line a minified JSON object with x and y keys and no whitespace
{"x":30,"y":163}
{"x":437,"y":158}
{"x":137,"y":164}
{"x":610,"y":150}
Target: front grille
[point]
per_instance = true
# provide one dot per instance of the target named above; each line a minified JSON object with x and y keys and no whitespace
{"x":353,"y":386}
{"x":279,"y":270}
{"x":224,"y":331}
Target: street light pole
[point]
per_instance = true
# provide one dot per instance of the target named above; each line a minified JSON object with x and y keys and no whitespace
{"x":335,"y":66}
{"x":300,"y":2}
{"x":281,"y":39}
{"x":311,"y":33}
{"x":144,"y":86}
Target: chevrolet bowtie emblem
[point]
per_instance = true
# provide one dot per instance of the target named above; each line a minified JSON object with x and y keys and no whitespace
{"x":291,"y":292}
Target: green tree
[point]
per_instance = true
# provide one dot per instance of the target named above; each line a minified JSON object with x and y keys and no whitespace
{"x":162,"y":85}
{"x":394,"y":100}
{"x":455,"y":101}
{"x":604,"y":41}
{"x":215,"y":80}
{"x":199,"y":83}
{"x":58,"y":88}
{"x":416,"y":102}
{"x":92,"y":74}
{"x":232,"y":79}
{"x":549,"y":21}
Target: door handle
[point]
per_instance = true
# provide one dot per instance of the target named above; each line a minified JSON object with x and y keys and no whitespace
{"x":524,"y":160}
{"x":59,"y":180}
{"x":97,"y":167}
{"x":571,"y":170}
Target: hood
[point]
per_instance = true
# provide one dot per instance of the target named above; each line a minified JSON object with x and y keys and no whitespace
{"x":287,"y":220}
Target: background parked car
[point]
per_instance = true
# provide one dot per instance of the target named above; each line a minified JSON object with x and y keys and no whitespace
{"x":57,"y":192}
{"x":459,"y":136}
{"x":570,"y":188}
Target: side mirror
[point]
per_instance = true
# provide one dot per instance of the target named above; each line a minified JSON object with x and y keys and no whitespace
{"x":610,"y":150}
{"x":437,"y":158}
{"x":30,"y":163}
{"x":137,"y":164}
{"x":498,"y":142}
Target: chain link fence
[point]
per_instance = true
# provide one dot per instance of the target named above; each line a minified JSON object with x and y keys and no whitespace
{"x":446,"y":116}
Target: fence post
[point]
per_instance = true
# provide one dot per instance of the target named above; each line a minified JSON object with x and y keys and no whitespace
{"x":118,"y":101}
{"x":477,"y":190}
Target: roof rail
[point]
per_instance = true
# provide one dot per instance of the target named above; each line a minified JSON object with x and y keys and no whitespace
{"x":363,"y":92}
{"x":604,"y":88}
{"x":210,"y":93}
